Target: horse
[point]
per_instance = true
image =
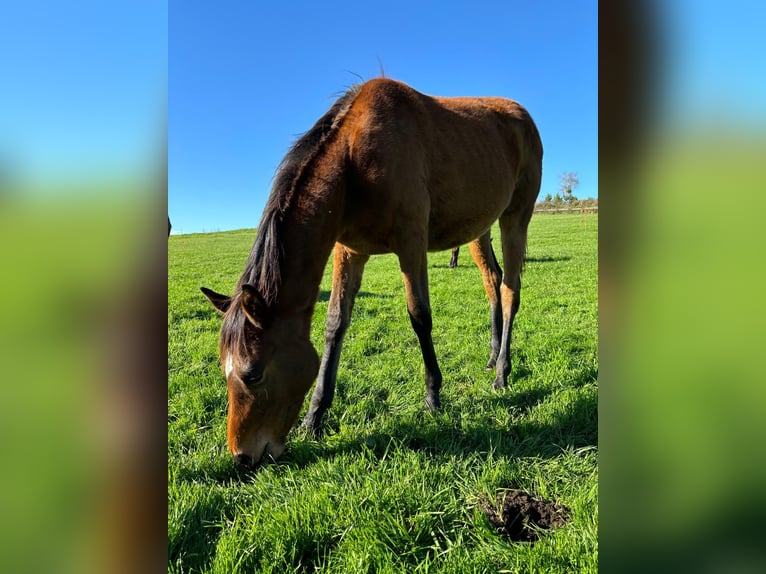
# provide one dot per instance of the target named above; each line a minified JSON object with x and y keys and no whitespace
{"x":386,"y":169}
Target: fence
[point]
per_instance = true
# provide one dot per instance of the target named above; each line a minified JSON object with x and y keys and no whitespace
{"x":569,"y":209}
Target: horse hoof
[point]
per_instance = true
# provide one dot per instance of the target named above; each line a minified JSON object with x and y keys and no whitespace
{"x":312,"y":428}
{"x":491,"y":365}
{"x":499,"y":384}
{"x":432,"y":404}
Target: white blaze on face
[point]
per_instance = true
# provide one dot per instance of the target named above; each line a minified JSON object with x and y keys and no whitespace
{"x":229,"y":366}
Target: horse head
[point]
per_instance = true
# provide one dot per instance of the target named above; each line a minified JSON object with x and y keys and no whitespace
{"x":269,"y":364}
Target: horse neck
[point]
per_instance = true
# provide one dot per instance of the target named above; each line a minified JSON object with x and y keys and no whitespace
{"x":309,"y":232}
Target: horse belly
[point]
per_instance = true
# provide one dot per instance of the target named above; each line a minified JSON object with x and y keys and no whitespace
{"x":465,"y":210}
{"x":456,"y":228}
{"x":471,"y":181}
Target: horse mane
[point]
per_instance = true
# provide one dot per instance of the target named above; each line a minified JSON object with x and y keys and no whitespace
{"x":263,"y":266}
{"x":262,"y":269}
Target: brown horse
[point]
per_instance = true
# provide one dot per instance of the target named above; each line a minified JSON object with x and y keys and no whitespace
{"x":386,"y":170}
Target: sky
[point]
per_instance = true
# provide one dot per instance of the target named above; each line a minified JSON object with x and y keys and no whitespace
{"x":90,"y":84}
{"x":713,"y":62}
{"x":246,"y":80}
{"x":84,"y":88}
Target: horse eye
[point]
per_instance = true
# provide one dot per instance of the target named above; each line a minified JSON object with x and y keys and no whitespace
{"x":254,"y":375}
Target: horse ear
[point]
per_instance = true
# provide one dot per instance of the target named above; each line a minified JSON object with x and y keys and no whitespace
{"x":253,"y":305}
{"x":220,"y":302}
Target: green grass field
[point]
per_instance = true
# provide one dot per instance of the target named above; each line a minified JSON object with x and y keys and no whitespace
{"x":391,"y":488}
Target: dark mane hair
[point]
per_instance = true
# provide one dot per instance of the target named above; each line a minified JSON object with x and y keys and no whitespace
{"x":262,"y":269}
{"x":263,"y":266}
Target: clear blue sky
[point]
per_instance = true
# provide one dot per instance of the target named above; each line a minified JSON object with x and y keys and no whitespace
{"x":247,"y":78}
{"x":87,"y":82}
{"x":83,"y":89}
{"x":713,"y":67}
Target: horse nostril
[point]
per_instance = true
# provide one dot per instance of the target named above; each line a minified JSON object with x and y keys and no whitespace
{"x":244,"y":460}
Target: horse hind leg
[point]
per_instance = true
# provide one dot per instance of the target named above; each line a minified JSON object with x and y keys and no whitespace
{"x":484,"y":257}
{"x":453,"y":259}
{"x":513,"y":232}
{"x":348,"y":268}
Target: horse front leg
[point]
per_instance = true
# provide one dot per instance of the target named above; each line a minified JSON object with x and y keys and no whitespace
{"x":415,"y":273}
{"x":348,"y":268}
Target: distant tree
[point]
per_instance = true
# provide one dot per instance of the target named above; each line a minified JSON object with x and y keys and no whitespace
{"x":557,"y":199}
{"x":548,"y":198}
{"x":568,"y":181}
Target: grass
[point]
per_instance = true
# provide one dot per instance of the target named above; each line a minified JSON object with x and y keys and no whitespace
{"x":391,"y":488}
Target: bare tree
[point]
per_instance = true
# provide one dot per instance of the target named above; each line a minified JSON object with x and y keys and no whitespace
{"x":568,"y":181}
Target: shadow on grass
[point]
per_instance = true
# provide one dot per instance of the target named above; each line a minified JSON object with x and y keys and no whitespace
{"x":518,"y":401}
{"x":204,"y":312}
{"x":224,"y":472}
{"x":469,"y":264}
{"x":546,"y":259}
{"x":324,"y":296}
{"x":445,"y":435}
{"x":577,"y":428}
